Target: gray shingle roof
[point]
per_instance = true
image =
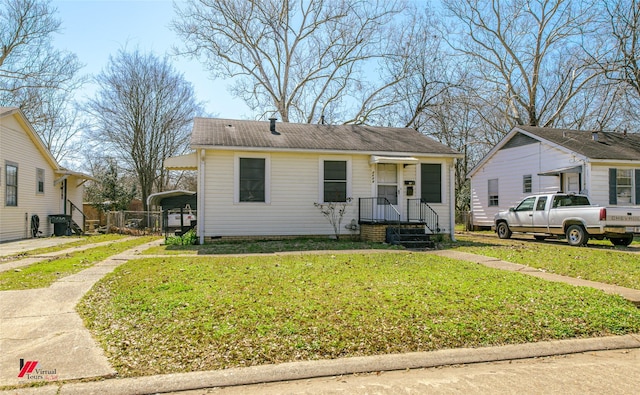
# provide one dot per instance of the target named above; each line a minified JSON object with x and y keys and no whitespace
{"x":610,"y":145}
{"x":229,"y":133}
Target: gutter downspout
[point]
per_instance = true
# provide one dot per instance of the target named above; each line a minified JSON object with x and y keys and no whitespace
{"x":201,"y":199}
{"x":452,"y":201}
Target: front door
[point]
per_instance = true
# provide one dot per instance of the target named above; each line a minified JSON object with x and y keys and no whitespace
{"x":387,"y":190}
{"x":572,"y":182}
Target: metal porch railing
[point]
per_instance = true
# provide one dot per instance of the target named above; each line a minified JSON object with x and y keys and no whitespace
{"x":419,"y":211}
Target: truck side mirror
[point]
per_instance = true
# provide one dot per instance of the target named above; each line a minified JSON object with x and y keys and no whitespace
{"x":512,"y":209}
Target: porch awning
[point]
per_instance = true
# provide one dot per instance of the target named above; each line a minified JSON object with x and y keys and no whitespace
{"x":557,"y":172}
{"x":182,"y":162}
{"x":392,"y":159}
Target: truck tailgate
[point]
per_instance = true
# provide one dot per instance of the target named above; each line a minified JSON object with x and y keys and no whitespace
{"x":628,"y":217}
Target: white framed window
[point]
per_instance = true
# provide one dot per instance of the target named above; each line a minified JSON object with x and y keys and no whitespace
{"x":493,"y":192}
{"x":11,"y":184}
{"x":431,"y":182}
{"x":526,"y":183}
{"x":252,"y":178}
{"x":624,"y":186}
{"x":335,"y":179}
{"x":39,"y":181}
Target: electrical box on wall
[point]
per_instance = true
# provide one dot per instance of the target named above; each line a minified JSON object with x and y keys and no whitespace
{"x":409,"y":191}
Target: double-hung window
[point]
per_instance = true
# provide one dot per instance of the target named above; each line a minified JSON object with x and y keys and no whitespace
{"x":493,"y":192}
{"x":40,"y":181}
{"x":526,"y":183}
{"x":11,"y":184}
{"x":431,"y":182}
{"x":335,"y":181}
{"x":624,"y":186}
{"x":252,"y":179}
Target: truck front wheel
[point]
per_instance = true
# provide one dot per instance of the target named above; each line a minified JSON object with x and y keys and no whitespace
{"x":503,"y":230}
{"x":576,"y":235}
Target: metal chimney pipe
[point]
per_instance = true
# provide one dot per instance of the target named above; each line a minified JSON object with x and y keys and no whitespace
{"x":272,"y":126}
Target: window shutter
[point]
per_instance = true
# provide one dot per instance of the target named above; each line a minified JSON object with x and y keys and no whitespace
{"x":637,"y":186}
{"x":613,"y":193}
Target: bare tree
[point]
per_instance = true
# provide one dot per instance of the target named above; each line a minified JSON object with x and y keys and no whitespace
{"x":301,"y":58}
{"x":533,"y":51}
{"x":623,"y":17}
{"x":143,"y":112}
{"x":33,"y":75}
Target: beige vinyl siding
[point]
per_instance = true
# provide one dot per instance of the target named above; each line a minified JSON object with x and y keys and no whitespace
{"x":295,"y":185}
{"x":16,"y":147}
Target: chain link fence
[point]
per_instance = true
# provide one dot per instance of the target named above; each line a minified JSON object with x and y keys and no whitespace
{"x":135,"y":222}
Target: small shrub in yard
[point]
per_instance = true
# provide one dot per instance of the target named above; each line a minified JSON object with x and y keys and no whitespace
{"x":187,"y":239}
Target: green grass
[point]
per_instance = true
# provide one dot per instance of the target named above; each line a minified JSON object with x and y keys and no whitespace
{"x":179,"y":314}
{"x":266,"y":246}
{"x":43,"y":274}
{"x":600,"y":261}
{"x":82,"y":240}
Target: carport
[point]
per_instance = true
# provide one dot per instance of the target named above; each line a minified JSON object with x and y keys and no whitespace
{"x":179,"y":210}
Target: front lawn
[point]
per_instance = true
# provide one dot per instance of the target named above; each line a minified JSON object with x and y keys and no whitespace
{"x":600,"y":261}
{"x":180,"y":314}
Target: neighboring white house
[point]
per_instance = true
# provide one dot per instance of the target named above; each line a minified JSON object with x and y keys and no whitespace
{"x":603,"y":165}
{"x":31,"y":181}
{"x":260,"y":179}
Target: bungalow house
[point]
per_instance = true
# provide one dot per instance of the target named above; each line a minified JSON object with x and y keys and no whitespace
{"x":262,"y":179}
{"x":603,"y":165}
{"x":33,"y":186}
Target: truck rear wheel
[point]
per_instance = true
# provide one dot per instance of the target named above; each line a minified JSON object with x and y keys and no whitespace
{"x":621,"y":241}
{"x":576,"y":235}
{"x":503,"y":230}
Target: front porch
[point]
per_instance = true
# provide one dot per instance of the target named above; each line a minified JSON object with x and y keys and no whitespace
{"x":381,"y":221}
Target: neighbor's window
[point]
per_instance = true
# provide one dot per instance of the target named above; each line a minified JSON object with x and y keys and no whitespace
{"x":40,"y":180}
{"x":493,"y":192}
{"x":624,"y":186}
{"x":431,"y":182}
{"x":11,"y":184}
{"x":335,"y":181}
{"x":252,"y":179}
{"x":526,"y":183}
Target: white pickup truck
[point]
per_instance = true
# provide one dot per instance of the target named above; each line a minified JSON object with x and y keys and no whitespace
{"x":571,"y":216}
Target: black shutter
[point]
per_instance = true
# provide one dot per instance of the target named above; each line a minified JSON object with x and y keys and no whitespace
{"x":613,"y":193}
{"x":637,"y":186}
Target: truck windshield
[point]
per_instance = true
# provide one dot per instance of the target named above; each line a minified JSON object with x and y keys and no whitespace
{"x":569,"y":200}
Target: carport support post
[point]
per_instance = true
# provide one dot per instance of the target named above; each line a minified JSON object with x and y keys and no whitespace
{"x":181,"y":223}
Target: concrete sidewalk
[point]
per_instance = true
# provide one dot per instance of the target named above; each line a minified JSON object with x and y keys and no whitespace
{"x":15,"y":264}
{"x":42,"y":325}
{"x":12,"y":248}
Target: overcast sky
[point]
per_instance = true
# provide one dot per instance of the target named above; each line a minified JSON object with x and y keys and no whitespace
{"x":96,"y":29}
